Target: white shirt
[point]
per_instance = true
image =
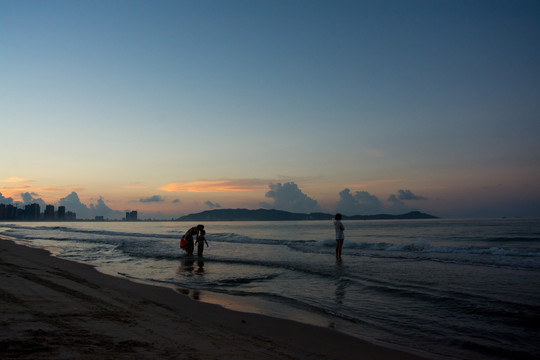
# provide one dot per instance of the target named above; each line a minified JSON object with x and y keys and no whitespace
{"x":339,"y":230}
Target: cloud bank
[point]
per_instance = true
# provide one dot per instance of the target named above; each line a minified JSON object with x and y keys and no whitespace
{"x":364,"y":203}
{"x":74,"y":204}
{"x":28,"y":198}
{"x":408,"y":195}
{"x":289,"y":197}
{"x":359,"y":203}
{"x":212,"y":205}
{"x":5,"y":200}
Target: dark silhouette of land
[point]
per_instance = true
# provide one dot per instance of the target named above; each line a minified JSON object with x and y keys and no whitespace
{"x":279,"y":215}
{"x":32,"y":213}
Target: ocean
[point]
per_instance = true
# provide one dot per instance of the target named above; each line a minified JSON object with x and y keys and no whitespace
{"x":460,"y":289}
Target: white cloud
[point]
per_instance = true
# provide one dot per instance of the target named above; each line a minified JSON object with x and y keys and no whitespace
{"x":360,"y":203}
{"x":6,"y":200}
{"x":212,"y":205}
{"x":289,"y":197}
{"x":28,"y":198}
{"x":408,"y":195}
{"x":74,"y":204}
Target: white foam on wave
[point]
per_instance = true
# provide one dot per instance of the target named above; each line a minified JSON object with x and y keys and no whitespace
{"x":420,"y":245}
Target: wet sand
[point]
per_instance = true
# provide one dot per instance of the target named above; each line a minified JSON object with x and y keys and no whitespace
{"x":56,"y":309}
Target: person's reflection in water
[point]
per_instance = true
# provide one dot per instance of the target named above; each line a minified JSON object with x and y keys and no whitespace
{"x":186,"y":267}
{"x":340,"y":291}
{"x":200,"y":268}
{"x":341,"y":283}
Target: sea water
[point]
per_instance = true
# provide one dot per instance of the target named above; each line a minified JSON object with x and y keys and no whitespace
{"x":463,"y":289}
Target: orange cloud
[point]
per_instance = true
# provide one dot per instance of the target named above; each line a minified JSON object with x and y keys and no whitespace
{"x":14,"y":191}
{"x":17,"y":180}
{"x":17,"y":185}
{"x":221,"y":185}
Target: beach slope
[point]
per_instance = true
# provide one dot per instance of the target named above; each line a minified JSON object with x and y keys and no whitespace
{"x":56,"y":309}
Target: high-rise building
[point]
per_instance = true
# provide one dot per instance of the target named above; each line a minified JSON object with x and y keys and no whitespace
{"x":131,"y":216}
{"x":61,"y":213}
{"x":49,"y":212}
{"x":32,"y":211}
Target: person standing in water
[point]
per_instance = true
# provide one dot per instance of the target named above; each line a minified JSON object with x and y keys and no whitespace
{"x":339,"y":234}
{"x":201,"y":240}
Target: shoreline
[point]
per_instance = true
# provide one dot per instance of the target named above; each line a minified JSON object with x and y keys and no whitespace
{"x":55,"y":308}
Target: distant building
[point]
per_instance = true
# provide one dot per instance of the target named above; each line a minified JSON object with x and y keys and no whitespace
{"x":49,"y":212}
{"x":61,"y":213}
{"x":32,"y":212}
{"x":131,"y":216}
{"x":3,"y":211}
{"x":71,"y":216}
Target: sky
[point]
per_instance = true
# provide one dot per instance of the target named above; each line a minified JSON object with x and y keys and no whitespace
{"x":360,"y":107}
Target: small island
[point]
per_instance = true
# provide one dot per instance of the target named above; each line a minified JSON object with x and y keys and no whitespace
{"x":280,"y":215}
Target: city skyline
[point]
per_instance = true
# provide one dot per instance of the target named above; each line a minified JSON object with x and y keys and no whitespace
{"x":362,"y":107}
{"x":32,"y":212}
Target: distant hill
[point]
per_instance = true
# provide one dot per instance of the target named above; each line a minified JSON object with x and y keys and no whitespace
{"x":279,"y":215}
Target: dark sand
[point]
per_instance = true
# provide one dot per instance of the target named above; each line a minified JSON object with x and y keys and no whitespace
{"x":56,"y":309}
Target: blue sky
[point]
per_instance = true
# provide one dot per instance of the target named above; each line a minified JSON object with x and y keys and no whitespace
{"x":180,"y":106}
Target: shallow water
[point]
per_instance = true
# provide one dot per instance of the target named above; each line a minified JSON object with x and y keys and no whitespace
{"x":466,"y":289}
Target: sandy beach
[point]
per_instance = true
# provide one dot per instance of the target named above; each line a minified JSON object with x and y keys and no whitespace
{"x":57,"y":309}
